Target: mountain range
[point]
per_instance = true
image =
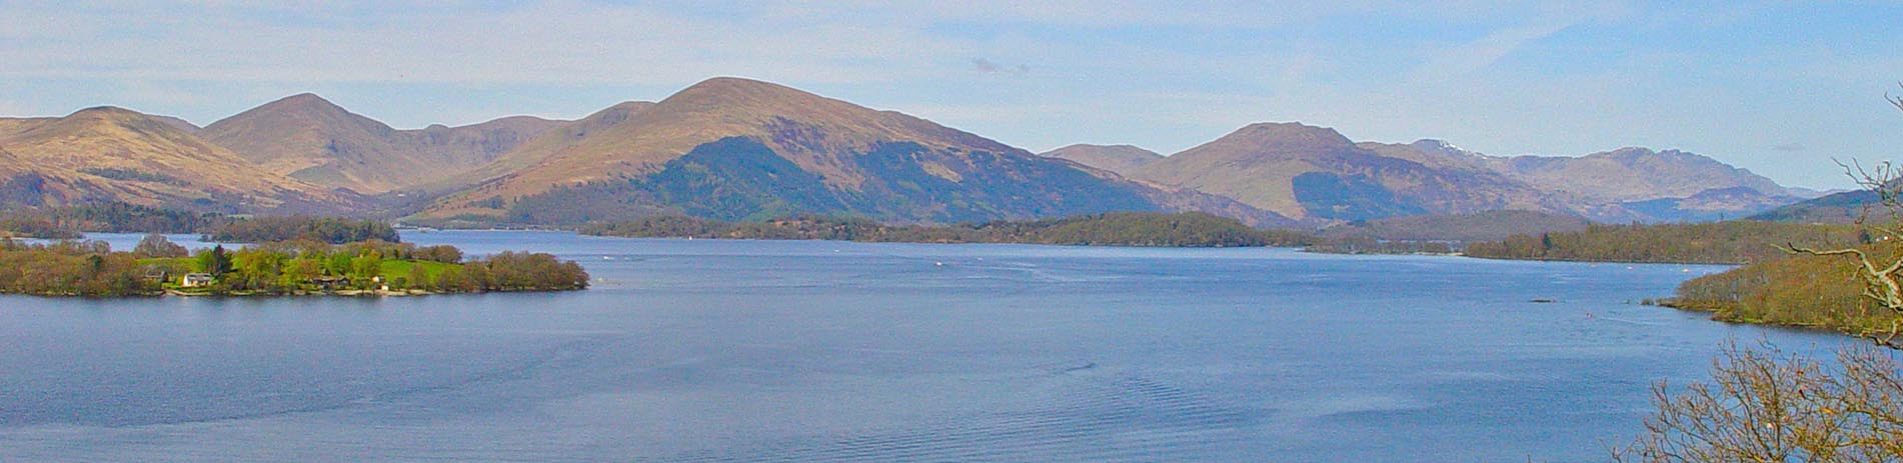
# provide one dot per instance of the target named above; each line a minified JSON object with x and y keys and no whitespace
{"x":740,"y":149}
{"x":1316,"y":175}
{"x":112,"y":154}
{"x":308,"y":138}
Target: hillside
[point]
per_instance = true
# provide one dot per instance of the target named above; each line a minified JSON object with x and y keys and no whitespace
{"x":309,"y":138}
{"x":109,"y":154}
{"x":1122,"y":159}
{"x":1732,"y":242}
{"x":539,"y":148}
{"x":1845,"y":207}
{"x":1632,"y":174}
{"x":1706,"y":206}
{"x":1315,"y":173}
{"x":738,"y":149}
{"x":1808,"y":291}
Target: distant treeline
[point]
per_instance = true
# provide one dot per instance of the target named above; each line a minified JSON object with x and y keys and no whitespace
{"x":114,"y":217}
{"x":71,"y":222}
{"x":301,"y":228}
{"x":1733,"y":242}
{"x":1189,"y":229}
{"x":1367,"y":245}
{"x":1811,"y":291}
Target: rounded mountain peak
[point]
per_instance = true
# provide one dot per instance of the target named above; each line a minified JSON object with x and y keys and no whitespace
{"x":106,"y":112}
{"x":303,"y":101}
{"x":740,"y":93}
{"x":1289,"y":134}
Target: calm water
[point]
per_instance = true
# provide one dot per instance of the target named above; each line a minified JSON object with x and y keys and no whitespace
{"x":824,"y":351}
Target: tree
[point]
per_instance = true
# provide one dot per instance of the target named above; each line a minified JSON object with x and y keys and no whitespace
{"x":1767,"y":406}
{"x":215,"y":262}
{"x":418,"y":277}
{"x":155,"y":245}
{"x":366,"y":266}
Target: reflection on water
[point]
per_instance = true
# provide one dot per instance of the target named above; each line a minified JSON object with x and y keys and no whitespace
{"x":823,"y":351}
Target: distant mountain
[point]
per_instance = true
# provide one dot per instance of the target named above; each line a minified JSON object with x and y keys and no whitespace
{"x":1315,"y":173}
{"x":1481,"y":226}
{"x":1808,"y":193}
{"x":1706,"y":206}
{"x":311,"y":139}
{"x":113,"y":154}
{"x":731,"y":149}
{"x":1632,"y":174}
{"x":1122,"y":159}
{"x":735,"y":149}
{"x":540,"y":148}
{"x":1844,"y":207}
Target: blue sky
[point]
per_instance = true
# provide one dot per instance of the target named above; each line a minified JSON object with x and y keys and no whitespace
{"x":1780,"y":88}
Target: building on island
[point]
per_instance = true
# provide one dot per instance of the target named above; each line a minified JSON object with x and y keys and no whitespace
{"x":330,"y":283}
{"x":194,"y":280}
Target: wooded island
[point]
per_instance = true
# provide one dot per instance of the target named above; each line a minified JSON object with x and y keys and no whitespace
{"x":304,"y":267}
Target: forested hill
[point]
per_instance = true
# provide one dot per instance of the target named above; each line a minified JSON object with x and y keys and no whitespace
{"x":105,"y":217}
{"x":331,"y":230}
{"x":1734,"y":242}
{"x":1809,"y":291}
{"x":1191,"y":229}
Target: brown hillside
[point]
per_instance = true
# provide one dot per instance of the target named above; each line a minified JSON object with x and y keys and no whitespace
{"x":119,"y":155}
{"x":1122,"y":159}
{"x":1632,"y":174}
{"x":1315,"y":173}
{"x":309,"y":138}
{"x":840,"y":158}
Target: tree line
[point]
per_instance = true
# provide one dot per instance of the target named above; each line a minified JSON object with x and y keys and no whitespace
{"x":334,"y":230}
{"x":69,"y":222}
{"x":1733,"y":242}
{"x":1188,"y":229}
{"x":1810,"y":291}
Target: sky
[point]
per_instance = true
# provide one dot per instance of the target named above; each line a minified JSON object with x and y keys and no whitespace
{"x":1780,"y":88}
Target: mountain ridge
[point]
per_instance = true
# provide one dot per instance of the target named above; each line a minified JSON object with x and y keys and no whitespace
{"x":767,"y":148}
{"x":307,"y":137}
{"x":779,"y":150}
{"x":1121,"y":159}
{"x":115,"y":154}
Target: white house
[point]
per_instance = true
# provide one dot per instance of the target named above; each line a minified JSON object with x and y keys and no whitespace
{"x":194,"y":280}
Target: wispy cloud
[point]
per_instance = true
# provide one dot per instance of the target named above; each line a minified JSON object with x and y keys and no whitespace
{"x":1458,"y":61}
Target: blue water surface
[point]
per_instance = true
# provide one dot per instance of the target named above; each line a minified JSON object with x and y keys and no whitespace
{"x":713,"y":350}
